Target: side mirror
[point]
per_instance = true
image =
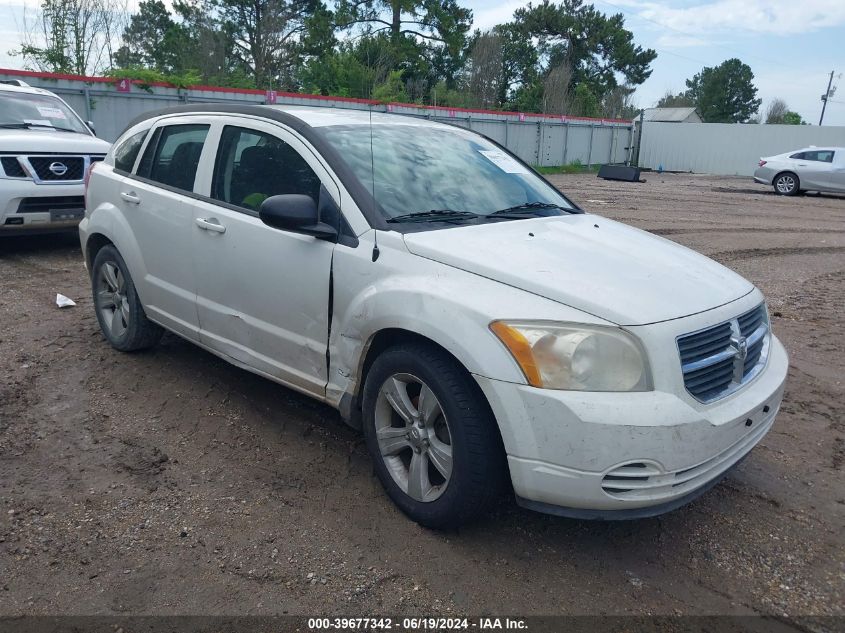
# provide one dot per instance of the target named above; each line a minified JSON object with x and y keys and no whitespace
{"x":90,"y":125}
{"x":296,"y":213}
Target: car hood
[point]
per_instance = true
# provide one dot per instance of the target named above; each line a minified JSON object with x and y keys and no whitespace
{"x":590,"y":263}
{"x":23,"y":141}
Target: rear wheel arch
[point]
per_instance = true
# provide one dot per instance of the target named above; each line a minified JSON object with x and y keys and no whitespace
{"x":794,"y":190}
{"x":95,"y":242}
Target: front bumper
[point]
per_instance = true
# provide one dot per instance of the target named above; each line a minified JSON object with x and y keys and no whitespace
{"x":627,"y":455}
{"x":62,"y":206}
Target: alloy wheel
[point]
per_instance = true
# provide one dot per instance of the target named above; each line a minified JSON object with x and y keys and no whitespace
{"x":413,"y":437}
{"x":111,"y":298}
{"x":785,"y":184}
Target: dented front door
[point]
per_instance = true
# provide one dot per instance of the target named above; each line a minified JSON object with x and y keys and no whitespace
{"x":263,"y":293}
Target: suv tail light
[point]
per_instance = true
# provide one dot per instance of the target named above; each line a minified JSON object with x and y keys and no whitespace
{"x":87,"y":180}
{"x":761,"y":163}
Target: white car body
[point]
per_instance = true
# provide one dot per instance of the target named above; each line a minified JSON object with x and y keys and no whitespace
{"x":260,"y":298}
{"x":814,"y":168}
{"x":33,"y":198}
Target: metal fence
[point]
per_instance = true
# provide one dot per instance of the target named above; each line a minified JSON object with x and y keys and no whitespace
{"x":726,"y":149}
{"x":537,"y":139}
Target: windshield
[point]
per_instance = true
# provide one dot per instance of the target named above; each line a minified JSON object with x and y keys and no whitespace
{"x":26,"y":109}
{"x":420,"y":169}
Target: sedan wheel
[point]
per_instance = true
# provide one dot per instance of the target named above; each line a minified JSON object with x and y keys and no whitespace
{"x":786,"y":184}
{"x":413,"y":437}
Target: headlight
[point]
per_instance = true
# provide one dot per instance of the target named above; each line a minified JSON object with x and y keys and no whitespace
{"x":575,"y":357}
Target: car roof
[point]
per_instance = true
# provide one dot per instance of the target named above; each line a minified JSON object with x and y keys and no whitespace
{"x":317,"y":116}
{"x":25,"y":90}
{"x":817,"y":148}
{"x":297,"y":116}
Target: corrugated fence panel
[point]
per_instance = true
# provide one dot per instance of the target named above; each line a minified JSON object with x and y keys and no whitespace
{"x":726,"y":149}
{"x":537,"y":140}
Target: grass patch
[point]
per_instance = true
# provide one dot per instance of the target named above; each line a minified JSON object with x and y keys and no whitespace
{"x":572,"y":168}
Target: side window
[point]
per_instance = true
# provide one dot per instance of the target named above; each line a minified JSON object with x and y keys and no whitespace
{"x":799,"y":156}
{"x":126,"y":153}
{"x":251,"y":166}
{"x":825,"y":156}
{"x":172,"y":156}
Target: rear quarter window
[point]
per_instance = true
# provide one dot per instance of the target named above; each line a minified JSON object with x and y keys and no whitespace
{"x":126,"y":153}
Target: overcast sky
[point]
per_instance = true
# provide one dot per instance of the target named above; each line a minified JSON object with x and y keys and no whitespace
{"x":790,"y":45}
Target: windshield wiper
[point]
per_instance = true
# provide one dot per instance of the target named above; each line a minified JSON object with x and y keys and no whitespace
{"x":434,"y":215}
{"x":28,"y":126}
{"x":529,"y":209}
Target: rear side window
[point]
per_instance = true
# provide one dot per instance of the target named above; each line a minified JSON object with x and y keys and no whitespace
{"x":823,"y":156}
{"x":252,"y":166}
{"x":798,"y":156}
{"x":126,"y":153}
{"x":172,"y":156}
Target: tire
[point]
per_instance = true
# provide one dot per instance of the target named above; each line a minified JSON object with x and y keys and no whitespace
{"x":456,"y":423}
{"x":119,"y":311}
{"x":786,"y":184}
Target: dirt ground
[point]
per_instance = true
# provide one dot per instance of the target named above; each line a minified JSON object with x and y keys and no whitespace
{"x":170,"y":482}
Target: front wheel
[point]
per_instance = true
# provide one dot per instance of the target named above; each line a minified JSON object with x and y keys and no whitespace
{"x":786,"y":184}
{"x":432,"y":437}
{"x":119,"y":311}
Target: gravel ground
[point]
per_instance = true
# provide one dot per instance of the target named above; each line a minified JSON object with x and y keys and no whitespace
{"x":170,"y":482}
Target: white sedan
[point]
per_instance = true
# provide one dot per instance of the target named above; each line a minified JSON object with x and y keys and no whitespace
{"x":810,"y":169}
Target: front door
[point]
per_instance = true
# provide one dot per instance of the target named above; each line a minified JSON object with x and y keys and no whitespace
{"x":263,"y":293}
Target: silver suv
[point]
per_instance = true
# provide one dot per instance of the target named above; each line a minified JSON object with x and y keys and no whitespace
{"x":45,"y":152}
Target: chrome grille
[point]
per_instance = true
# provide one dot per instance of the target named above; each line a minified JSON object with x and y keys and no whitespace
{"x":58,"y":167}
{"x":47,"y":168}
{"x":718,"y":360}
{"x":11,"y":167}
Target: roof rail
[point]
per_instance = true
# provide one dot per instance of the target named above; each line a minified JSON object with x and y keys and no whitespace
{"x":15,"y":82}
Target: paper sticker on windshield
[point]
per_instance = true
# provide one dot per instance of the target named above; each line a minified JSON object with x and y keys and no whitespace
{"x":38,"y":122}
{"x":51,"y":112}
{"x":504,"y":162}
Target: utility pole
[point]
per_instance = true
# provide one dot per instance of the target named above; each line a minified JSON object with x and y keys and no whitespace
{"x":826,"y":96}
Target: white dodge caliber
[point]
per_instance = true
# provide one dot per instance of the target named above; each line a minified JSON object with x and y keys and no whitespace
{"x":482,"y":330}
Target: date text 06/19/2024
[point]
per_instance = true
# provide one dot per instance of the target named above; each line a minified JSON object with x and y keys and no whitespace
{"x":417,"y":624}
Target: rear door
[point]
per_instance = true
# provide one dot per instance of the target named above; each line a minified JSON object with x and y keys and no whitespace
{"x":815,"y":168}
{"x":836,"y":175}
{"x":156,"y":201}
{"x":262,"y":293}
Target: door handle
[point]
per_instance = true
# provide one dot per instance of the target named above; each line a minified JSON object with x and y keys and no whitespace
{"x":210,"y":224}
{"x":130,"y":196}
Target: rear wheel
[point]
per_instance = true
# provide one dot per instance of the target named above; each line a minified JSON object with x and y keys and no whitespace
{"x":432,"y":437}
{"x":786,"y":184}
{"x":119,"y":311}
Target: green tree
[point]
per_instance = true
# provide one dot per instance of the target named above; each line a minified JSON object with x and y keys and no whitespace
{"x":152,"y":39}
{"x":778,"y":112}
{"x":597,"y":48}
{"x":442,"y":21}
{"x":793,"y":118}
{"x":680,"y":100}
{"x":71,"y":36}
{"x":268,"y":36}
{"x":428,"y":38}
{"x":726,"y":93}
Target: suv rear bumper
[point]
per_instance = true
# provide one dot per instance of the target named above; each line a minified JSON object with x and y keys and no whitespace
{"x":52,"y":208}
{"x":624,"y":455}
